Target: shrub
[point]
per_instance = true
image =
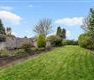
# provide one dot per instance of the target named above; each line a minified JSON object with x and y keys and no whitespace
{"x":70,"y":42}
{"x":19,"y":52}
{"x":2,"y":38}
{"x":41,"y":49}
{"x":41,"y":41}
{"x":4,"y":53}
{"x":85,"y":40}
{"x":55,"y":40}
{"x":26,"y":47}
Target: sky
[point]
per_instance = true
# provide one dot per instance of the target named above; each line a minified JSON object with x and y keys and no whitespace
{"x":22,"y":15}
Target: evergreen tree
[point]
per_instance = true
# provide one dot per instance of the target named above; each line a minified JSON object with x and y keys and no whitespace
{"x":2,"y":29}
{"x":58,"y":31}
{"x":61,"y":33}
{"x":2,"y":32}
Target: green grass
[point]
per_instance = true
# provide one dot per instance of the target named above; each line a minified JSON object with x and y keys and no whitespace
{"x":66,"y":63}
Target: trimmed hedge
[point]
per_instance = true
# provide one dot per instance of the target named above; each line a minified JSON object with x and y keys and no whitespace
{"x":41,"y":41}
{"x":70,"y":42}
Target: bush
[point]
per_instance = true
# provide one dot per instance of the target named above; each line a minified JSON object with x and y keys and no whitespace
{"x":41,"y":41}
{"x":26,"y":47}
{"x":55,"y":41}
{"x":19,"y":52}
{"x":70,"y":42}
{"x":4,"y":53}
{"x":2,"y":38}
{"x":41,"y":49}
{"x":85,"y":40}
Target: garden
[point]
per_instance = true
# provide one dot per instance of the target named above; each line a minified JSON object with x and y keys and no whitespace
{"x":49,"y":57}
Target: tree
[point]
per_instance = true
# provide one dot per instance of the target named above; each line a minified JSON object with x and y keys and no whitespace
{"x":87,"y":40}
{"x":85,"y":24}
{"x":2,"y":29}
{"x":88,"y":23}
{"x":2,"y":32}
{"x":55,"y":40}
{"x":58,"y":31}
{"x":8,"y":31}
{"x":61,"y":33}
{"x":43,"y":27}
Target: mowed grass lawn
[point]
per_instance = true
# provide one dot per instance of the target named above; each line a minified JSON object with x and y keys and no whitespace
{"x":65,"y":63}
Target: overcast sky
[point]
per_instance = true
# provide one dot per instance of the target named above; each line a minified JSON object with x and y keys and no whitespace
{"x":22,"y":15}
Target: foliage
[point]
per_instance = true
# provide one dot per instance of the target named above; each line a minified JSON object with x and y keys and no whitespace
{"x":2,"y":38}
{"x":65,"y":63}
{"x":27,"y":47}
{"x":61,"y":33}
{"x":85,"y":40}
{"x":19,"y":52}
{"x":8,"y":31}
{"x":4,"y":53}
{"x":43,"y":27}
{"x":2,"y":32}
{"x":2,"y":29}
{"x":55,"y":40}
{"x":41,"y":41}
{"x":70,"y":42}
{"x":58,"y":31}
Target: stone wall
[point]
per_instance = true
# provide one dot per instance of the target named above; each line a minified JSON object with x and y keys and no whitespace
{"x":2,"y":45}
{"x":15,"y":43}
{"x":18,"y":42}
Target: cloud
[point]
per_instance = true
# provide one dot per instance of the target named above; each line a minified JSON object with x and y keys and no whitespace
{"x":27,"y":31}
{"x":10,"y":17}
{"x":68,"y":33}
{"x":75,"y":21}
{"x":6,"y":8}
{"x":14,"y":33}
{"x":54,"y":33}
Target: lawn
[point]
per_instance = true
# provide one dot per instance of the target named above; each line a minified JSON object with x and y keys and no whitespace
{"x":65,"y":63}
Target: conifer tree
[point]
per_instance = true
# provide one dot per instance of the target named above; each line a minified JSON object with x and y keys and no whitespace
{"x":2,"y":29}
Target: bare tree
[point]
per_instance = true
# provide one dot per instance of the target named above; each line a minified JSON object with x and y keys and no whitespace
{"x":85,"y":25}
{"x":43,"y":27}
